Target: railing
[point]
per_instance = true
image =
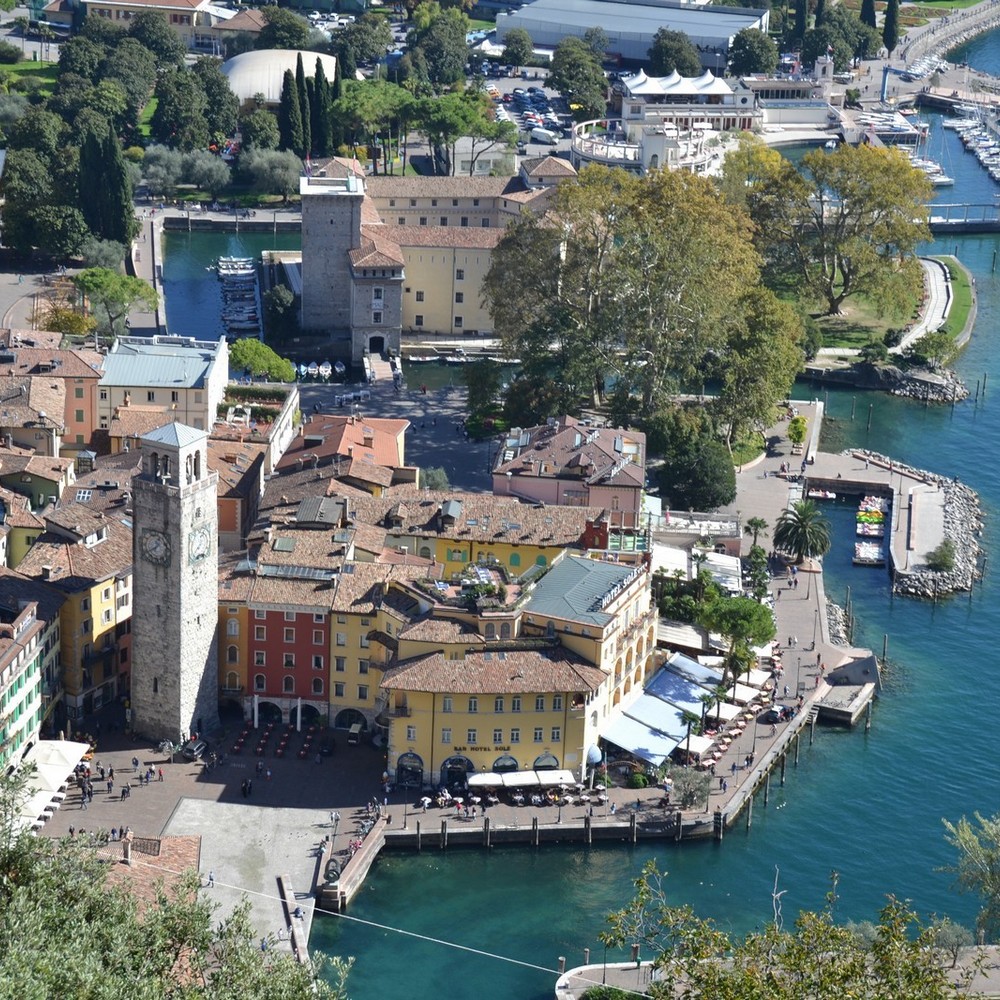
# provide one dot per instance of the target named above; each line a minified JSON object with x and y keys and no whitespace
{"x":230,"y":689}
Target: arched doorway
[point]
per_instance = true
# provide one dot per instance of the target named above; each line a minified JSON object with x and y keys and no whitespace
{"x":505,"y":764}
{"x":351,"y":717}
{"x":547,"y":762}
{"x":410,"y":771}
{"x":267,"y":712}
{"x":231,"y":712}
{"x":376,"y":345}
{"x":456,"y":771}
{"x":310,"y":715}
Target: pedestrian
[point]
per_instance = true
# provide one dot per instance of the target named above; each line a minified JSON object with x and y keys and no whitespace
{"x":268,"y":774}
{"x":319,"y":759}
{"x":122,"y":796}
{"x":211,"y":879}
{"x":111,"y":773}
{"x":332,"y":815}
{"x":249,"y":787}
{"x":83,"y":801}
{"x":732,"y":769}
{"x":725,"y":785}
{"x":114,"y":834}
{"x":161,"y":774}
{"x":260,"y":767}
{"x":795,"y":583}
{"x":786,"y":690}
{"x":774,"y":729}
{"x":795,"y":640}
{"x":20,"y":279}
{"x":72,"y":831}
{"x":777,"y":595}
{"x":121,"y":833}
{"x":789,"y":642}
{"x":722,"y":781}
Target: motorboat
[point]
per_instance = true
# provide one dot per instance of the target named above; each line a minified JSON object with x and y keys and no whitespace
{"x":422,"y":359}
{"x":339,"y":367}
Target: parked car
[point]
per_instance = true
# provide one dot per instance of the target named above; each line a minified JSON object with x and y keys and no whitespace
{"x":194,"y":749}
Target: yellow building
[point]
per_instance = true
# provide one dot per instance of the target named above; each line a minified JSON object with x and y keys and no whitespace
{"x":88,"y":558}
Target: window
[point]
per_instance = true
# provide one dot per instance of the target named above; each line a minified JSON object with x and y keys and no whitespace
{"x":104,"y":394}
{"x":420,"y":296}
{"x":341,"y":638}
{"x":289,"y":616}
{"x":289,"y":660}
{"x":289,"y":635}
{"x":232,"y":654}
{"x":458,"y":321}
{"x":362,"y":692}
{"x":473,"y":705}
{"x":85,"y":604}
{"x":446,"y":735}
{"x":258,"y":659}
{"x":471,"y":736}
{"x":411,"y":733}
{"x":464,"y":220}
{"x":557,"y":703}
{"x":475,"y":203}
{"x":288,"y":685}
{"x":317,"y":637}
{"x":150,"y":396}
{"x":413,"y":203}
{"x":418,"y":320}
{"x":260,"y":632}
{"x":540,"y":703}
{"x":454,"y":203}
{"x":538,"y":734}
{"x":377,"y":294}
{"x":498,"y":705}
{"x":232,"y":627}
{"x":377,"y":317}
{"x":340,"y":664}
{"x":556,"y":734}
{"x":444,"y":220}
{"x":362,"y":666}
{"x":446,"y":704}
{"x":317,"y":685}
{"x":319,"y":618}
{"x":106,"y":616}
{"x":317,"y":662}
{"x":365,"y":622}
{"x":498,"y":736}
{"x":423,"y":220}
{"x":78,"y":416}
{"x":392,"y":203}
{"x":260,"y":614}
{"x":341,"y":619}
{"x":459,"y":297}
{"x":460,"y":274}
{"x":363,"y":642}
{"x":515,"y":704}
{"x":174,"y":396}
{"x":78,"y":393}
{"x":434,"y":203}
{"x":338,"y":690}
{"x":86,"y":626}
{"x":486,"y":223}
{"x":401,"y":220}
{"x":258,"y":682}
{"x":515,"y":736}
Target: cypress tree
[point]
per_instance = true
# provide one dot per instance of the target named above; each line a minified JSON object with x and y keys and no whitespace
{"x":890,"y":27}
{"x":820,"y":13}
{"x":290,"y":115}
{"x":304,"y":111}
{"x":91,"y":184}
{"x":121,"y":223}
{"x":868,"y":12}
{"x":321,"y":130}
{"x":801,"y":19}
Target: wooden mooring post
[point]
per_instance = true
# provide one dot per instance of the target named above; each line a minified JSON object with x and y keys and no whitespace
{"x":444,"y":834}
{"x":486,"y":832}
{"x":534,"y":830}
{"x":718,"y":824}
{"x":784,"y":757}
{"x":749,"y":811}
{"x":798,"y":740}
{"x":633,"y":828}
{"x":588,"y":831}
{"x":418,"y":836}
{"x":767,"y":787}
{"x":868,"y":717}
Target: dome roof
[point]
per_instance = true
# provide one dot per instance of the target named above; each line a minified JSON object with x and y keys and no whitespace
{"x":261,"y":71}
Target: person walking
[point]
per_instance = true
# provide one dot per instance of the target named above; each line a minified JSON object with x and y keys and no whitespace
{"x":211,"y":879}
{"x":161,"y":773}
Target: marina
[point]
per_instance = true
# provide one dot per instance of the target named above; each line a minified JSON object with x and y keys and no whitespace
{"x":241,"y":309}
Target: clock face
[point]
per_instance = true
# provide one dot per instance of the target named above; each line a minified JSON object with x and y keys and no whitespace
{"x":199,"y":544}
{"x":156,"y":547}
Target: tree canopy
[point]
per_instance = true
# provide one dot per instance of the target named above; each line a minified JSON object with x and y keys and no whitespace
{"x":250,"y":355}
{"x":752,"y":51}
{"x":673,"y":50}
{"x":283,"y":29}
{"x":518,"y":47}
{"x":113,"y":295}
{"x":803,"y":531}
{"x":576,"y":73}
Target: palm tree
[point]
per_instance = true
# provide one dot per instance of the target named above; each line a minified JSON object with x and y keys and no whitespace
{"x":803,"y":531}
{"x":690,"y":719}
{"x":755,"y":526}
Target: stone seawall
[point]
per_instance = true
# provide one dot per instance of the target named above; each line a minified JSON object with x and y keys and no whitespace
{"x":951,"y":31}
{"x":941,"y":386}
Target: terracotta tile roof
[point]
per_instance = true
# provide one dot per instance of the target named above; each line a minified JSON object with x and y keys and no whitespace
{"x":109,"y":485}
{"x":235,"y":578}
{"x":478,"y":517}
{"x":15,"y":586}
{"x":25,"y":398}
{"x":440,"y":630}
{"x":272,"y":590}
{"x":145,"y":876}
{"x":16,"y":337}
{"x":77,"y":518}
{"x":60,"y":363}
{"x":46,"y":467}
{"x":155,"y":4}
{"x":435,"y":187}
{"x":327,"y":435}
{"x":369,"y":539}
{"x":18,"y":511}
{"x":547,"y":166}
{"x":496,"y":672}
{"x":377,"y":249}
{"x":135,"y":421}
{"x":567,"y":449}
{"x":460,"y":237}
{"x":361,"y":586}
{"x":73,"y":564}
{"x":338,"y":166}
{"x":239,"y":466}
{"x":252,"y":21}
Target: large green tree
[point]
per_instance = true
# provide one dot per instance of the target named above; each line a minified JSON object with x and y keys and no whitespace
{"x":321,"y":100}
{"x":272,"y":172}
{"x":180,"y":118}
{"x":890,"y":25}
{"x":107,"y":206}
{"x":151,"y":29}
{"x":259,"y":129}
{"x":305,"y":114}
{"x":803,"y":531}
{"x":290,"y":116}
{"x":977,"y":869}
{"x":576,"y":73}
{"x":221,"y":104}
{"x":111,"y":295}
{"x":250,"y":355}
{"x":365,"y":40}
{"x":437,"y":45}
{"x":673,"y":50}
{"x":752,"y":51}
{"x":868,"y":15}
{"x":744,"y":623}
{"x":518,"y":47}
{"x":283,"y":29}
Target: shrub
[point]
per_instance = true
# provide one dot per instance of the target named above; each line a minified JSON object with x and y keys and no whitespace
{"x":942,"y":559}
{"x":638,"y":780}
{"x":10,"y":54}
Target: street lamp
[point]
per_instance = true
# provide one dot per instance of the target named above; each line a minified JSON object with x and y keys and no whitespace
{"x":559,"y":816}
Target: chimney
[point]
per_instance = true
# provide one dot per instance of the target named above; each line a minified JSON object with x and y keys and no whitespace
{"x":46,"y":572}
{"x":350,"y":451}
{"x":369,"y":438}
{"x":314,"y":461}
{"x":9,"y":441}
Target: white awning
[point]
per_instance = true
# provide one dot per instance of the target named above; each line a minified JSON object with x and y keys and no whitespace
{"x":755,"y":678}
{"x":550,"y":779}
{"x":698,"y":746}
{"x":519,"y":779}
{"x":742,"y":693}
{"x":723,"y":711}
{"x":640,"y":740}
{"x":488,"y":779}
{"x":53,"y":761}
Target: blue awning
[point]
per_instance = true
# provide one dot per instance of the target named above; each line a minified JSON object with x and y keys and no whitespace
{"x":659,"y":715}
{"x":694,"y":671}
{"x":677,"y":690}
{"x":633,"y":736}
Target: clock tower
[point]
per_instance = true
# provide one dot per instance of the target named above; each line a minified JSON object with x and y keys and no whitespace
{"x":175,"y":586}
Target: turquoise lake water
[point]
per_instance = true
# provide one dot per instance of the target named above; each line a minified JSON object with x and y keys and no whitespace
{"x":866,"y":805}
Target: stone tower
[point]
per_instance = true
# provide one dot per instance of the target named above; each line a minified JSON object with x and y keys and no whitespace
{"x":175,"y":582}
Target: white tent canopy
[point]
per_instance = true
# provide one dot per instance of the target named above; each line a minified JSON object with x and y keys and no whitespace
{"x":53,"y":761}
{"x":755,"y":678}
{"x":724,"y":711}
{"x":741,"y":693}
{"x":519,"y":779}
{"x":488,"y":779}
{"x":551,"y":778}
{"x":698,"y":745}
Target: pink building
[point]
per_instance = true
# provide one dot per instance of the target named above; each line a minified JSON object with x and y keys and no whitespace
{"x":567,"y":462}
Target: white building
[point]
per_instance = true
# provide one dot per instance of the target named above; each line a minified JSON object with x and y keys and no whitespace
{"x":183,"y":377}
{"x":630,"y":27}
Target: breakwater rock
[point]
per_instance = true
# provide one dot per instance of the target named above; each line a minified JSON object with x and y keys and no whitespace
{"x":836,"y":624}
{"x":940,"y":385}
{"x":963,"y":525}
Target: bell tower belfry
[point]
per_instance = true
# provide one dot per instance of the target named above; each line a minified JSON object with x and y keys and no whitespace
{"x":175,"y":556}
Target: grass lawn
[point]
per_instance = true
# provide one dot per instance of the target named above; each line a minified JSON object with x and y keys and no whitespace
{"x":961,"y":291}
{"x":475,"y":24}
{"x":747,"y":448}
{"x":43,"y":72}
{"x":146,"y":116}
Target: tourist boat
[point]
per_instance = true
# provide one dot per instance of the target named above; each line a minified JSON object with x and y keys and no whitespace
{"x":422,"y":359}
{"x":325,"y":370}
{"x":313,"y":369}
{"x":339,"y":367}
{"x":496,"y":359}
{"x":821,"y":495}
{"x":830,"y":144}
{"x":459,"y":358}
{"x":869,"y":554}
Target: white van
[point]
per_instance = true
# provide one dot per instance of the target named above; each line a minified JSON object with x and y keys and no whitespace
{"x":354,"y":734}
{"x":544,"y":136}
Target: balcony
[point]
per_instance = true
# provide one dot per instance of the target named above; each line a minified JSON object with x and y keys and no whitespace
{"x":231,"y":689}
{"x":397,"y":712}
